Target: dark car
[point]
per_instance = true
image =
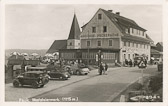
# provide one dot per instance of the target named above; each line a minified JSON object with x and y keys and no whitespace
{"x":137,"y":60}
{"x":160,"y":66}
{"x":34,"y":78}
{"x":58,"y":75}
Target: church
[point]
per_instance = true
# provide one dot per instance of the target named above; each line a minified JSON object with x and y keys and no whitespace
{"x":109,"y":34}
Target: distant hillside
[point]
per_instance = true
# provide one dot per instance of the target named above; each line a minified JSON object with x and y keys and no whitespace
{"x":41,"y":52}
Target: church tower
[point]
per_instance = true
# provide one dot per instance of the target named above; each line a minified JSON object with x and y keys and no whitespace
{"x":73,"y":41}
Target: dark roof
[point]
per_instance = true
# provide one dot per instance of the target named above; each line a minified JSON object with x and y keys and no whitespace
{"x":122,"y":22}
{"x":136,"y":38}
{"x":153,"y":51}
{"x":160,"y":43}
{"x":75,"y":30}
{"x":57,"y":44}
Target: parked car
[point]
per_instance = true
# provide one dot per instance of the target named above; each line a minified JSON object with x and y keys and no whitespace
{"x":54,"y":74}
{"x":34,"y":78}
{"x":137,"y":59}
{"x":160,"y":66}
{"x":77,"y":69}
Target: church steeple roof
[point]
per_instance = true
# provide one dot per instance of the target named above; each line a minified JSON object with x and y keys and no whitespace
{"x":75,"y":30}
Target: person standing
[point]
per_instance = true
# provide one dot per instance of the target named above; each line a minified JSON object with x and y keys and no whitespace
{"x":126,"y":62}
{"x":106,"y":67}
{"x":130,"y":63}
{"x":101,"y":68}
{"x":145,"y":61}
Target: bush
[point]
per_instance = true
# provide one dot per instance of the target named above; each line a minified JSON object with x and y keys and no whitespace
{"x":156,"y":82}
{"x":136,"y":86}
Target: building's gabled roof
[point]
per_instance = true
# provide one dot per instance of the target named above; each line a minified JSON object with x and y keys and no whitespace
{"x":160,"y":43}
{"x":75,"y":30}
{"x":57,"y":44}
{"x":122,"y":22}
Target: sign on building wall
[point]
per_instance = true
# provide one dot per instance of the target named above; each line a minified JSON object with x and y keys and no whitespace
{"x":113,"y":35}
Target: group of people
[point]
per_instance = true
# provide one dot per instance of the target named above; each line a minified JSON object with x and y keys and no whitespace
{"x":128,"y":63}
{"x":103,"y":69}
{"x":135,"y":62}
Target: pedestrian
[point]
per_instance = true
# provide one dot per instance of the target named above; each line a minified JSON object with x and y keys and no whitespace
{"x":101,"y":69}
{"x":106,"y":67}
{"x":126,"y":62}
{"x":130,"y":63}
{"x":145,"y":62}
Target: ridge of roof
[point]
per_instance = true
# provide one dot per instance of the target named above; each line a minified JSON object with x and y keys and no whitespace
{"x":75,"y":30}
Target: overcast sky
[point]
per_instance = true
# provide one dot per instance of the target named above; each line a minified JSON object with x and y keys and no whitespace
{"x":35,"y":26}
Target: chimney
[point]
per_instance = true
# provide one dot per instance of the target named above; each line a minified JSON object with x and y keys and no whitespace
{"x":110,"y":11}
{"x":118,"y":13}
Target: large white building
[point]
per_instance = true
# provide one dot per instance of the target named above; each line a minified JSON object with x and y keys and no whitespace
{"x":117,"y":37}
{"x":108,"y":30}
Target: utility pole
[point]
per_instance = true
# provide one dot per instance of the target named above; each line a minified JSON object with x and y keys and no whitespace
{"x":88,"y":51}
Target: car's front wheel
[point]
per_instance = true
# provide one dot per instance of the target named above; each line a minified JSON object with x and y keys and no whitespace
{"x":16,"y":83}
{"x":35,"y":84}
{"x":86,"y":73}
{"x":41,"y":86}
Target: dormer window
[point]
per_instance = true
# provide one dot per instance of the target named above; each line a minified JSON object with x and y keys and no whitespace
{"x":132,"y":30}
{"x":99,"y":16}
{"x":126,"y":30}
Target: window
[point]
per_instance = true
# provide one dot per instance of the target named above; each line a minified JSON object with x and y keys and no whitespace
{"x":110,"y":43}
{"x":99,"y":16}
{"x":137,"y":31}
{"x":132,"y":44}
{"x":99,"y":43}
{"x":132,"y":30}
{"x":128,"y":56}
{"x":104,"y":28}
{"x":140,"y":45}
{"x":142,"y":33}
{"x":126,"y":30}
{"x":70,"y":43}
{"x":93,"y":29}
{"x":137,"y":45}
{"x":124,"y":56}
{"x":128,"y":44}
{"x":125,"y":43}
{"x":88,"y":43}
{"x":144,"y":46}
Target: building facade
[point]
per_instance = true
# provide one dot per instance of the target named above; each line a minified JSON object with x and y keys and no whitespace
{"x":117,"y":38}
{"x":108,"y":30}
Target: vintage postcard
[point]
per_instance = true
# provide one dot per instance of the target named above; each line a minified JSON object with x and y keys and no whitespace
{"x":61,"y":52}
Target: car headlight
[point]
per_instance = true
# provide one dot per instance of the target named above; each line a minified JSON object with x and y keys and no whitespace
{"x":66,"y":75}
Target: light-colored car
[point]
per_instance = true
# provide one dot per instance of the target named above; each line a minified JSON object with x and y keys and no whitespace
{"x":77,"y":69}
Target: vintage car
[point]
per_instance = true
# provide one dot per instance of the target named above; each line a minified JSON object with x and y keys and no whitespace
{"x":34,"y":78}
{"x":62,"y":75}
{"x":77,"y":69}
{"x":160,"y":66}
